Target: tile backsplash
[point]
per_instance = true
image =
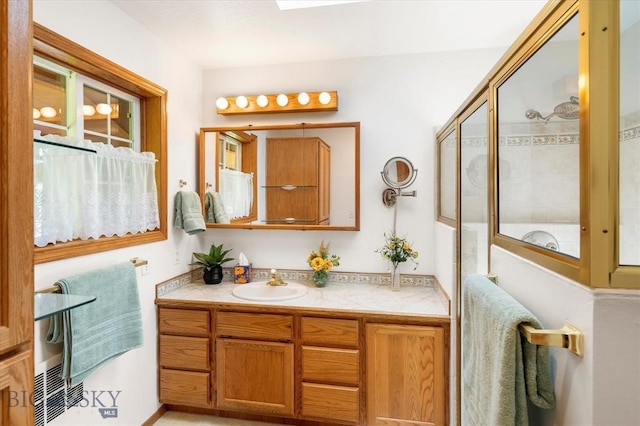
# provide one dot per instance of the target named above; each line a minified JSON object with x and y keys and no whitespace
{"x":262,"y":274}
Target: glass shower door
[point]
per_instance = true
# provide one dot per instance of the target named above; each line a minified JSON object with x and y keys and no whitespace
{"x":474,"y":163}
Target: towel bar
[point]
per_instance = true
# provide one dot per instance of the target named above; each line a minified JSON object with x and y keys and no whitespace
{"x":55,"y":289}
{"x":567,"y":337}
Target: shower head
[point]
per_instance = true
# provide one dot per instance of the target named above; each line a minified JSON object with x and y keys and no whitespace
{"x":569,"y":110}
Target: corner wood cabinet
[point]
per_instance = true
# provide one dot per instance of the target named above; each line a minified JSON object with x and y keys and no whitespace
{"x":298,"y":181}
{"x":330,"y":368}
{"x":16,"y":223}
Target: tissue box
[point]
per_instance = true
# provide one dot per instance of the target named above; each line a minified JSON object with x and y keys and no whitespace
{"x":242,"y":274}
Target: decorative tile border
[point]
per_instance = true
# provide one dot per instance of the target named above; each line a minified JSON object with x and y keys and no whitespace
{"x":261,"y":274}
{"x":177,"y":282}
{"x":547,"y":133}
{"x":629,"y":134}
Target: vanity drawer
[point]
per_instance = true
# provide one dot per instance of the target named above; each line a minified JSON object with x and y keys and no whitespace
{"x":190,"y":353}
{"x":185,"y":388}
{"x":330,"y":332}
{"x":254,"y":326}
{"x":184,"y":321}
{"x":329,"y":365}
{"x":330,"y":402}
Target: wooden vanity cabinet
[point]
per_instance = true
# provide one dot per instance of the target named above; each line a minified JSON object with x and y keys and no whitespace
{"x":406,"y":375}
{"x":298,"y":181}
{"x":303,"y":365}
{"x":255,"y":363}
{"x":184,"y":357}
{"x":330,"y":359}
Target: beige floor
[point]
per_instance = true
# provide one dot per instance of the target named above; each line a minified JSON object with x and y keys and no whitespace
{"x":173,"y":418}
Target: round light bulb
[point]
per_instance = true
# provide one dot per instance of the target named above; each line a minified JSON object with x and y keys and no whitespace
{"x":104,"y":109}
{"x":303,"y":98}
{"x":222,"y":103}
{"x":242,"y":102}
{"x":36,"y":113}
{"x":88,"y":110}
{"x":282,"y":99}
{"x":48,"y":112}
{"x":262,"y":101}
{"x":324,"y":98}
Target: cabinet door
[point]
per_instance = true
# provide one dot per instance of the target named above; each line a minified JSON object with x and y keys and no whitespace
{"x":255,"y":376}
{"x":324,"y":183}
{"x":16,"y":175}
{"x":285,"y":158}
{"x":16,"y":216}
{"x":405,"y":375}
{"x":16,"y":406}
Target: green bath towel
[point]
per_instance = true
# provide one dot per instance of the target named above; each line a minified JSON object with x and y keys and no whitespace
{"x":500,"y":369}
{"x":93,"y":334}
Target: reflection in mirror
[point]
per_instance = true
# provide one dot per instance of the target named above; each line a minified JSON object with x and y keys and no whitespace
{"x":539,"y":145}
{"x":398,"y":173}
{"x":474,"y":159}
{"x":299,"y":176}
{"x":629,"y":144}
{"x":447,"y":178}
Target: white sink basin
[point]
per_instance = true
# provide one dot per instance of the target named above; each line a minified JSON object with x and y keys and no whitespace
{"x":260,"y":291}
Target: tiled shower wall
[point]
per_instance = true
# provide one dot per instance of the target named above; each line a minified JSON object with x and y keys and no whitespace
{"x":630,"y":190}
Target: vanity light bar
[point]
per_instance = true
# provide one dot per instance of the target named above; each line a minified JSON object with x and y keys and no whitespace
{"x":283,"y":102}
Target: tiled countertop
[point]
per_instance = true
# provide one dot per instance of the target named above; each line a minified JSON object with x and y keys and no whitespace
{"x":368,"y":293}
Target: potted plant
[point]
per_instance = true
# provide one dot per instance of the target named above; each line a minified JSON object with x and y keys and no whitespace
{"x":212,"y":263}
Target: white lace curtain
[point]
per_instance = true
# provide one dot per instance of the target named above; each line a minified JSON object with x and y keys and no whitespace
{"x":82,"y":195}
{"x":236,"y":190}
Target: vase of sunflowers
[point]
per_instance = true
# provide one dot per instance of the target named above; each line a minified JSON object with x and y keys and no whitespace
{"x":397,"y":250}
{"x":322,"y":262}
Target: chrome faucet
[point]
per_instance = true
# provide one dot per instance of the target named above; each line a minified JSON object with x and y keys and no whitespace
{"x":275,"y":279}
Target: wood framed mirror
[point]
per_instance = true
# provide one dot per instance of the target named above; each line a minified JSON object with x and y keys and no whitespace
{"x":291,"y":176}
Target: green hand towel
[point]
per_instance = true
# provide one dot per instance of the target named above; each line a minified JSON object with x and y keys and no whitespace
{"x":500,"y":369}
{"x":93,"y":334}
{"x":188,"y":212}
{"x":208,"y":207}
{"x":218,"y":209}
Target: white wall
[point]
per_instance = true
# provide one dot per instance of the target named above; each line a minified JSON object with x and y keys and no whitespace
{"x":104,"y":29}
{"x":398,"y":100}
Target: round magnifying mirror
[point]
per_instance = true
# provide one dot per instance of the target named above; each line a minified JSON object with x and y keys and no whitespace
{"x":399,"y":173}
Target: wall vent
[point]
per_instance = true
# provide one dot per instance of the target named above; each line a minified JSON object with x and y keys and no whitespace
{"x":51,"y":396}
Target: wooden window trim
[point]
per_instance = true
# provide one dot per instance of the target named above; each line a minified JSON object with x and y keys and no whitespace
{"x":153,"y":121}
{"x":249,"y":162}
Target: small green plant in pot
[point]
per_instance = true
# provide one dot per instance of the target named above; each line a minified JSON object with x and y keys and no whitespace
{"x":212,"y":263}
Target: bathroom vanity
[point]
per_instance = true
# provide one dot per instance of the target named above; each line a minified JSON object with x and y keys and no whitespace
{"x":349,"y":353}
